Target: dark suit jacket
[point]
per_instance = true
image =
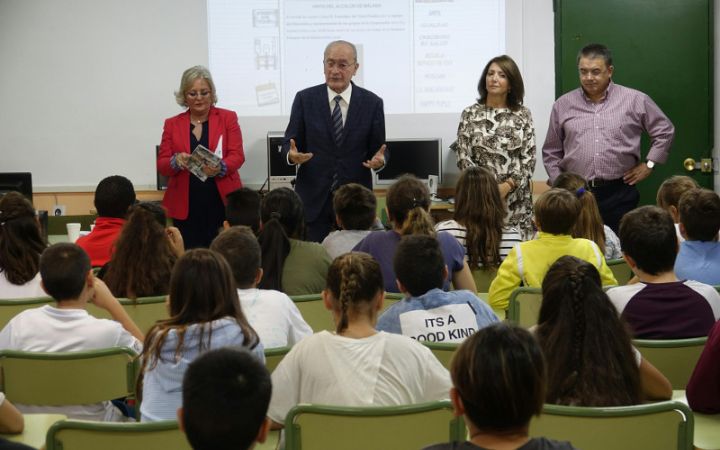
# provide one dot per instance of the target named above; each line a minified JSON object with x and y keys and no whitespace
{"x":310,"y":125}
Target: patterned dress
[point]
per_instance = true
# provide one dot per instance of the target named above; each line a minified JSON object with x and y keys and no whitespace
{"x":502,"y":141}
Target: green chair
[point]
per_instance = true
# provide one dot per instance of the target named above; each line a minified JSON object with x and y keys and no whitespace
{"x":144,"y":311}
{"x":620,"y":270}
{"x":483,"y":278}
{"x":90,"y":376}
{"x":407,"y":427}
{"x":319,"y":318}
{"x":443,"y":351}
{"x":273,"y":356}
{"x":86,"y":435}
{"x":675,"y":358}
{"x":524,"y":308}
{"x":653,"y":426}
{"x":10,"y":308}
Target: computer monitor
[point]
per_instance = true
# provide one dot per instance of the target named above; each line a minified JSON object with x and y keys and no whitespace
{"x":420,"y":157}
{"x":280,"y":173}
{"x":161,"y":180}
{"x":16,"y":181}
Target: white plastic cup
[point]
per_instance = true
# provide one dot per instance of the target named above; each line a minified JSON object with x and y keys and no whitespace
{"x":73,"y":231}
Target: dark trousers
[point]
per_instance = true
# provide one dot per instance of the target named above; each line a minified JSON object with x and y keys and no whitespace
{"x":614,"y":200}
{"x":323,"y":224}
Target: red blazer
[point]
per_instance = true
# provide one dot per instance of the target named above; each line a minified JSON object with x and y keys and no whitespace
{"x":176,"y":139}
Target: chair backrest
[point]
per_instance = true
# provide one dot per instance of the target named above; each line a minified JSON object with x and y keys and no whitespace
{"x":319,"y":318}
{"x":483,"y":278}
{"x":68,"y":378}
{"x":675,"y":358}
{"x":620,"y":270}
{"x":443,"y":351}
{"x":653,"y":426}
{"x":317,"y":427}
{"x":144,"y":311}
{"x":524,"y":307}
{"x":86,"y":435}
{"x":9,"y":308}
{"x":273,"y":356}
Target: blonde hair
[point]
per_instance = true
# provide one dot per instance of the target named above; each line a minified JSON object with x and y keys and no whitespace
{"x":672,"y":189}
{"x":188,"y":78}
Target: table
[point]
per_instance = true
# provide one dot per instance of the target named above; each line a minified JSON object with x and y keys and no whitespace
{"x":707,"y":426}
{"x":36,"y":427}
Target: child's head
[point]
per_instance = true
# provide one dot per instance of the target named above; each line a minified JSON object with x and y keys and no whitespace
{"x":226,"y":393}
{"x":20,"y":240}
{"x":243,"y":208}
{"x":700,"y":214}
{"x":648,"y":237}
{"x":354,"y":206}
{"x":556,"y":211}
{"x":587,"y":347}
{"x":419,"y":265}
{"x":113,"y":196}
{"x":498,"y":376}
{"x":670,"y":191}
{"x":589,"y":224}
{"x":64,"y":270}
{"x":241,"y":249}
{"x":408,"y":203}
{"x":354,"y":287}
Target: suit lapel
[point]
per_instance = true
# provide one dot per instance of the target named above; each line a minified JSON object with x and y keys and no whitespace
{"x":324,"y":109}
{"x":354,"y":111}
{"x":215,"y":128}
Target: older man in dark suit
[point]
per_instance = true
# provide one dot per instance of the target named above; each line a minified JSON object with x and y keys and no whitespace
{"x":336,"y":134}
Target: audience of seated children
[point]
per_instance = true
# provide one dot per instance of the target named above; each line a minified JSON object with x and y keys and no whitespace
{"x":703,"y":389}
{"x":290,"y":264}
{"x":67,"y":277}
{"x":428,"y":313}
{"x":408,"y":206}
{"x":699,"y":255}
{"x":145,"y":253}
{"x":498,"y":409}
{"x":243,"y":208}
{"x":589,"y":224}
{"x":668,"y":197}
{"x":479,"y":219}
{"x":113,"y":197}
{"x":205,"y":314}
{"x":272,"y":314}
{"x":20,"y":247}
{"x":556,"y":212}
{"x":225,"y":396}
{"x":356,"y":365}
{"x":589,"y":353}
{"x":355,"y":207}
{"x":660,"y":306}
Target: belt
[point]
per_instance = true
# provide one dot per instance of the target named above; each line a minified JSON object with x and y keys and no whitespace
{"x":597,"y":182}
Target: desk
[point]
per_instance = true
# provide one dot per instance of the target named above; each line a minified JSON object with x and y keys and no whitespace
{"x":441,"y":210}
{"x":707,"y":426}
{"x":36,"y":427}
{"x":271,"y":442}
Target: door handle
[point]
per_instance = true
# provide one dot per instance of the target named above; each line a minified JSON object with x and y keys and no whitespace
{"x":705,"y":165}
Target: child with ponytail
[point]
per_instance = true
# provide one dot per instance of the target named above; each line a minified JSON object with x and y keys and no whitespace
{"x":356,"y":365}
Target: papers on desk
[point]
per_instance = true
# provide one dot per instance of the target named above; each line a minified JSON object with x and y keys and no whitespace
{"x":201,"y":157}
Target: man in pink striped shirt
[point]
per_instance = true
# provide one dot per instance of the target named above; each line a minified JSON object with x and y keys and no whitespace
{"x":595,"y":131}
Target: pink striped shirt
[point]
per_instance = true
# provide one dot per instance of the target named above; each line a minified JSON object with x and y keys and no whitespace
{"x":602,"y":140}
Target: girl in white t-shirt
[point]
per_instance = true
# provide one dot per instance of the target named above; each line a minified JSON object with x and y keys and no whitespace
{"x":356,"y":365}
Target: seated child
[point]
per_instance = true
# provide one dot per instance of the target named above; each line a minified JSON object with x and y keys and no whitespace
{"x":243,"y":208}
{"x":428,"y":313}
{"x":660,"y":306}
{"x":225,"y":395}
{"x":354,"y":206}
{"x":356,"y":365}
{"x":703,"y":389}
{"x":699,"y":255}
{"x":272,"y":314}
{"x":556,"y":211}
{"x":498,"y":409}
{"x":67,"y":277}
{"x":668,"y":197}
{"x":113,"y":197}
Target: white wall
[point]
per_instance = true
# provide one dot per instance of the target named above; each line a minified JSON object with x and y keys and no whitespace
{"x":85,"y":86}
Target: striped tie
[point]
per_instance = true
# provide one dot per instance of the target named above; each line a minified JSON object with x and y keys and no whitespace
{"x":337,"y":120}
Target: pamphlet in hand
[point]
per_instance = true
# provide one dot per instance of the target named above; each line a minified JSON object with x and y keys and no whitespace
{"x":200,"y":157}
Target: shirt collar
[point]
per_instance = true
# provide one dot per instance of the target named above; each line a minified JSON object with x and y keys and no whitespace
{"x":544,"y":235}
{"x":608,"y":91}
{"x":344,"y":94}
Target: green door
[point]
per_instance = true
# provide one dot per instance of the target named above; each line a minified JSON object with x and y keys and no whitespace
{"x":661,"y":47}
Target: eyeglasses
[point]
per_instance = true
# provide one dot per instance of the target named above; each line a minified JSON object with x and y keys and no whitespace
{"x":342,"y":65}
{"x":193,"y":94}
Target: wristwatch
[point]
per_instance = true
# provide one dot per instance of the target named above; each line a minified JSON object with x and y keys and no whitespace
{"x":650,"y":164}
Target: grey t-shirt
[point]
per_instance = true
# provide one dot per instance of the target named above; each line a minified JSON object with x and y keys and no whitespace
{"x":533,"y":444}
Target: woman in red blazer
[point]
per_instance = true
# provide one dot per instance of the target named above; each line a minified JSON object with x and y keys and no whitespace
{"x":197,"y":207}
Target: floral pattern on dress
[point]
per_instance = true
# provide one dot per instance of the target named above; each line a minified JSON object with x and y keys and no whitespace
{"x":502,"y":141}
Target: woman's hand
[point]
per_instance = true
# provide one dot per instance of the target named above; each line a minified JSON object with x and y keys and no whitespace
{"x":181,"y":159}
{"x":176,"y":240}
{"x":506,"y":187}
{"x":210,"y":170}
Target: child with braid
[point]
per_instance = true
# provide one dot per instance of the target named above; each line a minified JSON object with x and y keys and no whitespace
{"x":356,"y":365}
{"x":590,"y":358}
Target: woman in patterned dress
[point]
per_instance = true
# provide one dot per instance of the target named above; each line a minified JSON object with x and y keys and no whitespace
{"x":497,"y":133}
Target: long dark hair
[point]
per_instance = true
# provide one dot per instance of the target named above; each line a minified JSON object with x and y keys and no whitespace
{"x":408,"y":204}
{"x":283,"y":218}
{"x":587,"y":347}
{"x":20,"y":240}
{"x":479,"y":208}
{"x":516,"y":86}
{"x":144,"y":257}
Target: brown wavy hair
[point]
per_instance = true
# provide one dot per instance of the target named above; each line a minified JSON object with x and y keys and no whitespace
{"x":20,"y":240}
{"x":408,"y":205}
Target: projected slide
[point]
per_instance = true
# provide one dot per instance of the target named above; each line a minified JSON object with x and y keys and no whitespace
{"x":421,"y":56}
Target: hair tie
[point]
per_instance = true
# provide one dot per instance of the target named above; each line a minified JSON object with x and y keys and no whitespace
{"x":416,"y":203}
{"x":580,"y":192}
{"x":275,"y":215}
